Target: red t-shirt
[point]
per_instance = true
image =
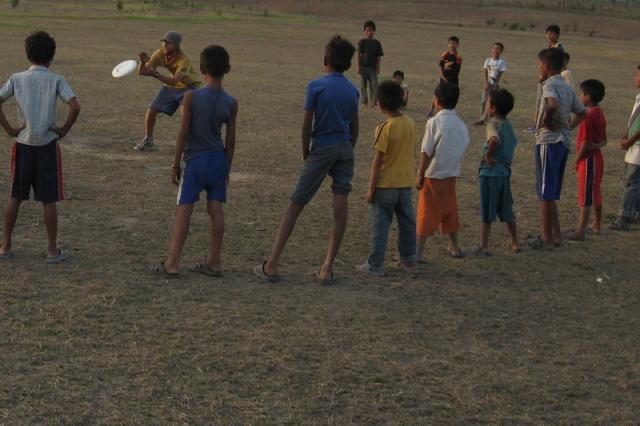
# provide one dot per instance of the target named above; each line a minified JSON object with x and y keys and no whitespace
{"x":593,"y":129}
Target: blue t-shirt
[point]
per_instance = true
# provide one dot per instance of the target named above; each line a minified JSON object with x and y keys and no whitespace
{"x":334,"y":101}
{"x":210,"y":109}
{"x":503,"y":154}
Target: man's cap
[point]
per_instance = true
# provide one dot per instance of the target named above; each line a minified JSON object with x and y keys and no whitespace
{"x":172,"y":37}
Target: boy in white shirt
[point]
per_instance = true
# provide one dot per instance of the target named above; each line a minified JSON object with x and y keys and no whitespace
{"x":494,"y":67}
{"x":446,"y":138}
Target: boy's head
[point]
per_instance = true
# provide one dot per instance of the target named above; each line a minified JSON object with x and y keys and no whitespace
{"x":214,"y":61}
{"x":553,"y":33}
{"x":565,"y":59}
{"x":497,"y":49}
{"x":40,"y":48}
{"x":453,"y":43}
{"x":500,"y":102}
{"x":398,"y":76}
{"x":447,"y":95}
{"x":338,"y":54}
{"x":549,"y":62}
{"x":390,"y":95}
{"x":592,"y":92}
{"x":369,"y":29}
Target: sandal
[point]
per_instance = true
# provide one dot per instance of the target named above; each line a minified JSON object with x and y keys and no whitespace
{"x":204,"y":269}
{"x":326,"y":281}
{"x":572,"y":235}
{"x":259,"y":272}
{"x":459,"y":254}
{"x":58,"y":258}
{"x":507,"y":244}
{"x":159,"y":269}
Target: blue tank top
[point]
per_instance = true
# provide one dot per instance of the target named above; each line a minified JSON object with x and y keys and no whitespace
{"x":210,"y":109}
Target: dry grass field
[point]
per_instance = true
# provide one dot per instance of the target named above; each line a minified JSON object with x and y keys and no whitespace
{"x":534,"y":338}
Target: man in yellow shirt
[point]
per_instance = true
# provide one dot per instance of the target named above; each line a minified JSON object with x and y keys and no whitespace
{"x":168,"y":99}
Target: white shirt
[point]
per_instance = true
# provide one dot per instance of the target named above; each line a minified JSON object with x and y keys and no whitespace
{"x":445,"y":140}
{"x":494,"y":67}
{"x":633,"y":153}
{"x":36,"y":91}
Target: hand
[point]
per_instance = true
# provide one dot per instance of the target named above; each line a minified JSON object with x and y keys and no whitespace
{"x":60,"y":131}
{"x":148,"y":71}
{"x":176,"y":173}
{"x":305,"y":154}
{"x":550,"y":124}
{"x":370,"y":195}
{"x":624,"y":144}
{"x":419,"y":182}
{"x":144,"y":58}
{"x":14,"y":132}
{"x":489,"y":160}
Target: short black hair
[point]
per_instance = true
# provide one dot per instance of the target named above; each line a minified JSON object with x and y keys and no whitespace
{"x":454,"y":38}
{"x":214,"y":60}
{"x":448,"y":95}
{"x":566,"y":56}
{"x":593,"y":88}
{"x":497,"y":43}
{"x":502,"y":100}
{"x":390,"y":95}
{"x":398,"y":73}
{"x":40,"y":47}
{"x":369,"y":24}
{"x":552,"y":57}
{"x":554,"y":29}
{"x":338,"y":53}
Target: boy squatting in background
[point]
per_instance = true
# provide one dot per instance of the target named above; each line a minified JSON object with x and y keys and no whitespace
{"x":630,"y":142}
{"x":391,"y":178}
{"x":331,"y":123}
{"x":398,"y":77}
{"x":369,"y":55}
{"x":446,"y":138}
{"x":494,"y":67}
{"x":207,"y":161}
{"x":495,"y":171}
{"x":35,"y":157}
{"x":450,"y":65}
{"x":553,"y":137}
{"x":168,"y":99}
{"x":591,"y":137}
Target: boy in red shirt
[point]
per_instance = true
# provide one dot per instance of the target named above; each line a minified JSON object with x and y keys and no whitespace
{"x":592,"y":136}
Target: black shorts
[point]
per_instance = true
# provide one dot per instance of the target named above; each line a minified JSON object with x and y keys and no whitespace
{"x":39,"y":167}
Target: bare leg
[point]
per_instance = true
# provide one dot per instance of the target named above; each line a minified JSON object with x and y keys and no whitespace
{"x":180,"y":232}
{"x":557,"y":233}
{"x":150,"y":122}
{"x":546,"y":217}
{"x":420,"y":251}
{"x":340,"y":215}
{"x":597,"y":218}
{"x":513,"y":236}
{"x":284,"y":231}
{"x":485,"y":230}
{"x":217,"y":233}
{"x":453,"y":248}
{"x":51,"y":222}
{"x":10,"y":217}
{"x":583,"y":219}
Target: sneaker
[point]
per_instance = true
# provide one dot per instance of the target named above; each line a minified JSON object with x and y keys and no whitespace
{"x":530,"y":130}
{"x":378,"y":271}
{"x":145,"y":145}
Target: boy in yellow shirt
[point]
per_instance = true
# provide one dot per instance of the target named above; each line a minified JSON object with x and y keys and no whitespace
{"x":390,"y":182}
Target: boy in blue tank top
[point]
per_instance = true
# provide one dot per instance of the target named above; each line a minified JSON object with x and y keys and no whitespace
{"x":207,"y":160}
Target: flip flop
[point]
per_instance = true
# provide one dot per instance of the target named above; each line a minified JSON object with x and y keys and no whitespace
{"x":159,"y":269}
{"x":6,"y":256}
{"x":58,"y":258}
{"x":458,"y":255}
{"x":571,"y":235}
{"x":204,"y":269}
{"x":619,"y":226}
{"x":326,"y":281}
{"x":259,"y":272}
{"x":591,"y":231}
{"x":482,"y":252}
{"x":507,"y":244}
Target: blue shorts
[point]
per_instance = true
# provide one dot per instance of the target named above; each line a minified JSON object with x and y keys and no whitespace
{"x":167,"y":100}
{"x":496,"y":199}
{"x":551,"y":160}
{"x":209,"y":172}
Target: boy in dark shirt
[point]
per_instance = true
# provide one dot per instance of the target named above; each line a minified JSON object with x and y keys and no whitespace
{"x":450,"y":65}
{"x":369,"y":54}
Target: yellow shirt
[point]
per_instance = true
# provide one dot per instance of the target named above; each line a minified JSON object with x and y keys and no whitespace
{"x":181,"y":63}
{"x":397,"y":139}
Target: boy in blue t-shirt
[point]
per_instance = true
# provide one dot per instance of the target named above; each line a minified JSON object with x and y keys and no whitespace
{"x":207,"y":159}
{"x":329,"y":133}
{"x":495,"y":171}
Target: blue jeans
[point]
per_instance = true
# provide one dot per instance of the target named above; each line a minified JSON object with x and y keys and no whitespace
{"x":386,"y":203}
{"x":631,"y":197}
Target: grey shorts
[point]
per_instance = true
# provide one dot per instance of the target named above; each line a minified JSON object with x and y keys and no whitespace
{"x":335,"y":160}
{"x":167,"y":100}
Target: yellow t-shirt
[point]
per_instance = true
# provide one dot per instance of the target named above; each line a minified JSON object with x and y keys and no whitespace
{"x":397,"y":139}
{"x":181,"y":63}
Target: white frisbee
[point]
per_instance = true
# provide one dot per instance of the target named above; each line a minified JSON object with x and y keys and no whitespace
{"x":124,"y":68}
